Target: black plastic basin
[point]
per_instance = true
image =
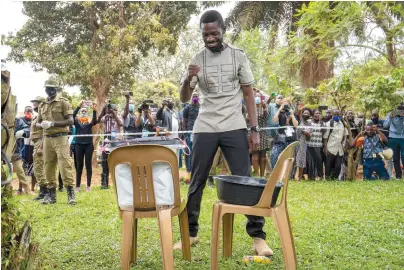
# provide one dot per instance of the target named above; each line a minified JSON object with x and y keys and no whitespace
{"x":243,"y":190}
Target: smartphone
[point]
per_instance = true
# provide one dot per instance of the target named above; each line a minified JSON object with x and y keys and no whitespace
{"x":323,"y":108}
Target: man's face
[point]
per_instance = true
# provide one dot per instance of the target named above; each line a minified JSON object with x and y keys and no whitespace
{"x":350,"y":116}
{"x":374,"y":116}
{"x":279,"y":100}
{"x":328,"y":113}
{"x":370,"y":130}
{"x":317,"y":115}
{"x":212,"y":35}
{"x":35,"y":104}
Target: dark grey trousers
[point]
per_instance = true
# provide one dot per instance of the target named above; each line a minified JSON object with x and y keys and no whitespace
{"x":235,"y":149}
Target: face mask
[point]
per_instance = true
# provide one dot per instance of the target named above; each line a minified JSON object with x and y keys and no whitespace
{"x":28,"y":115}
{"x":170,"y":106}
{"x":195,"y":100}
{"x":336,"y":118}
{"x":36,"y":109}
{"x":257,"y":100}
{"x":51,"y":92}
{"x":131,"y":107}
{"x":305,"y":117}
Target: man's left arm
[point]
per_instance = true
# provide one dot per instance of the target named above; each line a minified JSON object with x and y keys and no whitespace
{"x":246,"y":79}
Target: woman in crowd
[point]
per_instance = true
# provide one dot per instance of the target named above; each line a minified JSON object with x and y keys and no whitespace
{"x":283,"y":136}
{"x":258,"y":157}
{"x":303,"y":134}
{"x":315,"y":148}
{"x":84,"y":145}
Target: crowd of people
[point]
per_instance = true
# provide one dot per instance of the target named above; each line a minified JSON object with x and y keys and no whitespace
{"x":226,"y":119}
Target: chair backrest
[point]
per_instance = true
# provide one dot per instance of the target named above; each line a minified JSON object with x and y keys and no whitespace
{"x":140,"y":159}
{"x":282,"y":170}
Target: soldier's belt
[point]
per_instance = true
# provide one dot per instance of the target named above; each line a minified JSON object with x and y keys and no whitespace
{"x":56,"y":135}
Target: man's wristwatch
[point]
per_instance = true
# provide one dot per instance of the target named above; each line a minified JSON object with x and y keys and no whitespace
{"x":255,"y":128}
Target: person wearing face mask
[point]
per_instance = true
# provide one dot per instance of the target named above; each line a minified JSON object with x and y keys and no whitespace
{"x":258,"y":157}
{"x":36,"y":137}
{"x":28,"y":149}
{"x":395,"y":124}
{"x":54,"y":117}
{"x":334,"y":142}
{"x":315,"y":154}
{"x":373,"y":141}
{"x":129,"y":118}
{"x":350,"y":119}
{"x":84,"y":146}
{"x":145,"y":122}
{"x":190,"y":114}
{"x":303,"y":135}
{"x":223,"y":75}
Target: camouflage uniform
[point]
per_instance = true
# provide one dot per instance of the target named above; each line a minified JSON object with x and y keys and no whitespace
{"x":37,"y":139}
{"x":55,"y":143}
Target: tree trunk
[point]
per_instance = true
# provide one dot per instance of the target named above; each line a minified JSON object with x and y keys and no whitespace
{"x":101,"y":94}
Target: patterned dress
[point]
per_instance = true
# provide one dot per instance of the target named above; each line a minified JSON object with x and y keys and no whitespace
{"x":262,"y":117}
{"x":303,"y":139}
{"x":315,"y":154}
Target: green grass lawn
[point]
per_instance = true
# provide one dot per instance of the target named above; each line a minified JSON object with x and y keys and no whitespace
{"x":349,"y":225}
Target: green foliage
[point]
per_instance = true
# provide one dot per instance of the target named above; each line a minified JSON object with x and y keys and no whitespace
{"x":334,"y":226}
{"x":9,"y":228}
{"x":97,"y":44}
{"x":156,"y":91}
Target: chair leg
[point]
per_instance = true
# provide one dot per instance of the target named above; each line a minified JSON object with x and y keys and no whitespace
{"x":134,"y":243}
{"x":126,"y":241}
{"x":166,"y":238}
{"x":216,"y":220}
{"x":282,"y":224}
{"x":184,"y":230}
{"x":228,"y":220}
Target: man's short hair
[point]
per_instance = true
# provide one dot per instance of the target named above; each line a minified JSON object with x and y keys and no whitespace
{"x":211,"y":16}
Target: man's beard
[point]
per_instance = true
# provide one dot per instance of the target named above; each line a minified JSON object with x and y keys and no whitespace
{"x":217,"y":48}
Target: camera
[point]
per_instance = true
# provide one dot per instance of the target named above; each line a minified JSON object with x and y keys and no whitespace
{"x":323,"y":108}
{"x":286,"y":108}
{"x":146,"y":104}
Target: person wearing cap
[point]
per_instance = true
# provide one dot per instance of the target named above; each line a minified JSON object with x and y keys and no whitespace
{"x":372,"y":140}
{"x":113,"y":123}
{"x":37,"y":139}
{"x":55,"y":116}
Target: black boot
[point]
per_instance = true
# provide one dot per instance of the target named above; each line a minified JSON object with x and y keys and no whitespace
{"x":104,"y":181}
{"x":43,"y":190}
{"x":50,"y":197}
{"x":70,"y":196}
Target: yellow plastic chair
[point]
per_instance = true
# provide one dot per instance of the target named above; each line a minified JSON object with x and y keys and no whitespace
{"x":278,"y":213}
{"x":140,"y":159}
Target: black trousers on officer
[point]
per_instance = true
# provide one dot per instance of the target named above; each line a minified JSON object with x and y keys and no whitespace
{"x":234,"y":145}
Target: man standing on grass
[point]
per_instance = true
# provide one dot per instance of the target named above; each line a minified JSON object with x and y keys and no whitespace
{"x":223,"y":75}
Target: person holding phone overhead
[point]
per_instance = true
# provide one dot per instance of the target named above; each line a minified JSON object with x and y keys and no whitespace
{"x":223,"y":75}
{"x":84,"y":146}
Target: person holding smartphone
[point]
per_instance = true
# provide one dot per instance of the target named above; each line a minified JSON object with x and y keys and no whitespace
{"x":395,"y":124}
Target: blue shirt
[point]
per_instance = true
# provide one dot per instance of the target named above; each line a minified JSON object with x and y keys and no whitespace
{"x":372,"y":146}
{"x":396,"y":126}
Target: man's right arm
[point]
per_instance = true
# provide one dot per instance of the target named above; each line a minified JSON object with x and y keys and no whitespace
{"x":126,"y":110}
{"x":188,"y":85}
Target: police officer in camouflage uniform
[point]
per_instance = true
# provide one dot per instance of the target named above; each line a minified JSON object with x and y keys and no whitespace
{"x":55,"y":116}
{"x":37,"y":139}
